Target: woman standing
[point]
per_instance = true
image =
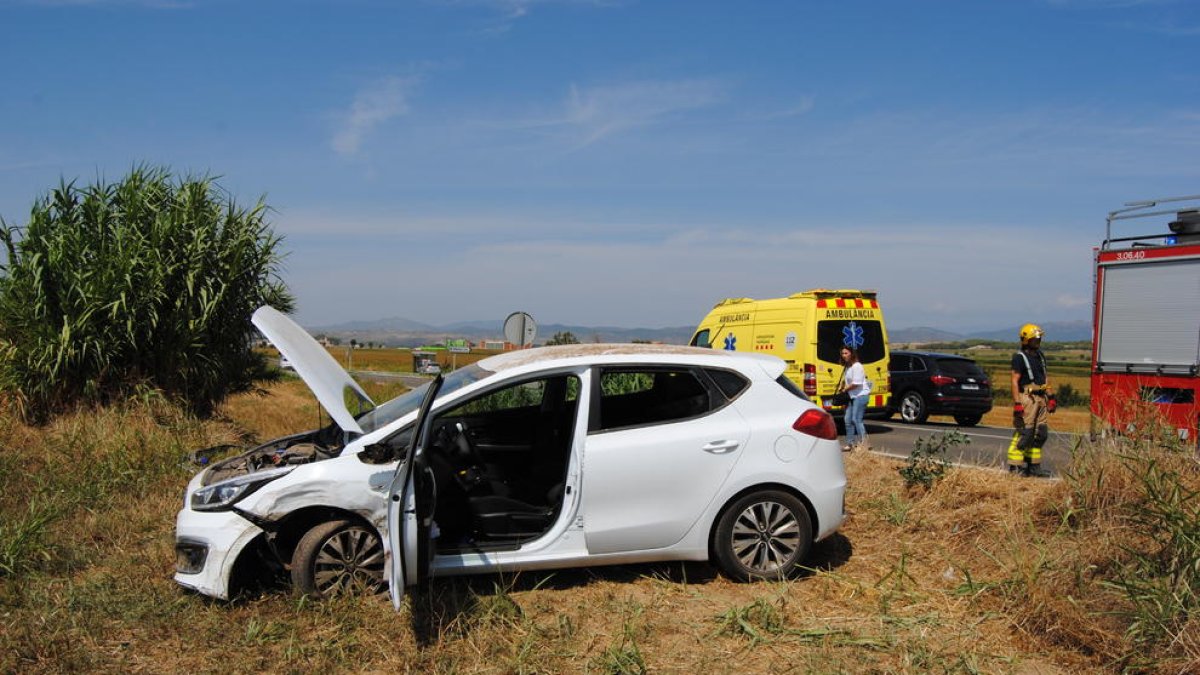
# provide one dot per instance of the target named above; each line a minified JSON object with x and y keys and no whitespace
{"x":856,"y":384}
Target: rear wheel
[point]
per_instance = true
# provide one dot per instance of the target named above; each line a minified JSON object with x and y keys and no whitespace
{"x":762,"y":535}
{"x":913,"y":408}
{"x":967,"y":420}
{"x":338,"y":557}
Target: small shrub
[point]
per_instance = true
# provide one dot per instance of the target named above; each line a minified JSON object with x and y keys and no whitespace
{"x":928,"y":464}
{"x":1069,"y":397}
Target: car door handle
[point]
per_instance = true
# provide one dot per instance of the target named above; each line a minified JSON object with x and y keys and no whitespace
{"x":721,"y":447}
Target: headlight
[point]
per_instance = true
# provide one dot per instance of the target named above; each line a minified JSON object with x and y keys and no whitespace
{"x":220,"y":496}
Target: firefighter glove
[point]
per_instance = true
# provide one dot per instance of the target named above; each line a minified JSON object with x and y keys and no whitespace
{"x":1018,"y":415}
{"x":1051,"y":403}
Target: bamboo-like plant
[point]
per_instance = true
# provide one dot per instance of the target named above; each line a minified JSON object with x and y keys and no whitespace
{"x":148,"y":282}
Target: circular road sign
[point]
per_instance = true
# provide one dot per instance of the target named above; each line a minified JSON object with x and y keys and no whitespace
{"x":520,"y":329}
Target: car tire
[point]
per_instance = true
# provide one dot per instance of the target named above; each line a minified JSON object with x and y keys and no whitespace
{"x":338,"y":557}
{"x":913,"y":408}
{"x":967,"y":420}
{"x":763,"y":535}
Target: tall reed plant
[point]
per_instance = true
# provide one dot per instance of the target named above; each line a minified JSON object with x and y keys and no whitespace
{"x":145,"y":283}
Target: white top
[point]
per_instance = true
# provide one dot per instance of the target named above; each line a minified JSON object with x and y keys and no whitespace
{"x":855,"y":381}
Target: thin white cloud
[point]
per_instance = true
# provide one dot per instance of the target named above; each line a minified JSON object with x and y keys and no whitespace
{"x":803,"y":107}
{"x":590,"y":114}
{"x":373,"y":105}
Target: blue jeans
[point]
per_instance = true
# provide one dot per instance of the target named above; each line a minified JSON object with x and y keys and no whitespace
{"x":856,"y":431}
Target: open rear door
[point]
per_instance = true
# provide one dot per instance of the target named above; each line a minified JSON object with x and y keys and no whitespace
{"x":410,"y":508}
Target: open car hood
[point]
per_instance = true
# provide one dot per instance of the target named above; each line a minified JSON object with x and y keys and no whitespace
{"x":327,"y":380}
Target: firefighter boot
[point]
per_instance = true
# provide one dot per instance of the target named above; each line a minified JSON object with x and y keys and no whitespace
{"x":1034,"y":470}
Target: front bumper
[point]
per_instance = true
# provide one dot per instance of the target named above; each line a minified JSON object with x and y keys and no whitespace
{"x":211,"y":542}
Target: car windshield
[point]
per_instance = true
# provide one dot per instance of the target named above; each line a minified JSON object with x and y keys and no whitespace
{"x":389,"y":412}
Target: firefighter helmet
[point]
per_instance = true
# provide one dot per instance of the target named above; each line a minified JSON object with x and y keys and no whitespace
{"x":1031,"y":331}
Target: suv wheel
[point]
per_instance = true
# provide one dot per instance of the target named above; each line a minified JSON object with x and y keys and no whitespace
{"x":913,"y":409}
{"x":763,"y":535}
{"x":967,"y":420}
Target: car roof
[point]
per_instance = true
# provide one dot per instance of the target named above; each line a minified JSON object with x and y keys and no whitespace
{"x":625,"y":353}
{"x":935,"y":355}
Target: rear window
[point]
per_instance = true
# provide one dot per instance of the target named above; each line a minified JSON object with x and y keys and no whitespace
{"x":833,"y":335}
{"x":791,"y":386}
{"x":730,"y":384}
{"x":959,"y":368}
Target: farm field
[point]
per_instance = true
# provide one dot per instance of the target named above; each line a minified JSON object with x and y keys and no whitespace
{"x":980,"y":573}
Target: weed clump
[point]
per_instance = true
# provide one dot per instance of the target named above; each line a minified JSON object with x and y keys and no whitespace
{"x":927,"y":463}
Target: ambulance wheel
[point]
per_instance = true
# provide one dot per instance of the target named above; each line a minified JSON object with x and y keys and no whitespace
{"x":967,"y":420}
{"x":913,"y":408}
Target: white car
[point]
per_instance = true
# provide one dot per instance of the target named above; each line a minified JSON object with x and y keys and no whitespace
{"x":533,"y":459}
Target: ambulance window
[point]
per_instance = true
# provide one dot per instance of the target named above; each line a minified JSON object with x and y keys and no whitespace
{"x":832,"y":334}
{"x":701,"y":339}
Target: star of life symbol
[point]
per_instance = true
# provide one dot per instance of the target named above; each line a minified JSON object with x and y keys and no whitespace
{"x":731,"y":342}
{"x":852,"y":335}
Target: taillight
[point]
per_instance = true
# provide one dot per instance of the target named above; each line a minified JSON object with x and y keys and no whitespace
{"x":941,"y":380}
{"x":817,"y":423}
{"x":810,"y":379}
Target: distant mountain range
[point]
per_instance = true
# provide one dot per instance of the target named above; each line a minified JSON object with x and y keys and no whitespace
{"x":401,"y":332}
{"x":1056,"y":331}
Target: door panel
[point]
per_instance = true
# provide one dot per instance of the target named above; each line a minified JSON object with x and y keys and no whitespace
{"x":644,"y":488}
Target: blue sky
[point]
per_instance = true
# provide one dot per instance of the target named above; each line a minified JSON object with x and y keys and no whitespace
{"x":630,"y":163}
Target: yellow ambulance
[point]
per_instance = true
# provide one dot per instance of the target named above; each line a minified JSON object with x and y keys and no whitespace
{"x":808,"y":331}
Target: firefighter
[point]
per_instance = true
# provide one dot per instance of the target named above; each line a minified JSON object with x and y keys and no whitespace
{"x":1032,"y":403}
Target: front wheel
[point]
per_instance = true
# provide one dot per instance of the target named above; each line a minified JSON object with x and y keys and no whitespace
{"x":763,"y":535}
{"x":913,"y":409}
{"x":338,"y":557}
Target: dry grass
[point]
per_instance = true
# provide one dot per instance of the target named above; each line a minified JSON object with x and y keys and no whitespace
{"x":982,"y":573}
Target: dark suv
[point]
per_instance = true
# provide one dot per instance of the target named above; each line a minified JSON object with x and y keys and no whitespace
{"x":925,"y":383}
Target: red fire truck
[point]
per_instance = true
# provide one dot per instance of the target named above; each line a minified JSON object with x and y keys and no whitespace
{"x":1146,"y":320}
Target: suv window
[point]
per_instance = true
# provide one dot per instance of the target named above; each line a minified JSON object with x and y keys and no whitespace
{"x":959,"y":368}
{"x":631,"y":396}
{"x":831,"y":336}
{"x":900,"y":363}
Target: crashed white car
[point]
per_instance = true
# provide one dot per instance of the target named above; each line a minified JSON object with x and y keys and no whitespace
{"x":535,"y":459}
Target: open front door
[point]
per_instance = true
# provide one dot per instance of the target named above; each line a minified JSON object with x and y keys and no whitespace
{"x":410,"y":508}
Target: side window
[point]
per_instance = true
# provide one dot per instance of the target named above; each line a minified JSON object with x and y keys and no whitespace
{"x":731,"y":384}
{"x":919,"y":364}
{"x":631,"y":397}
{"x":701,"y":339}
{"x":523,"y":395}
{"x":900,"y":363}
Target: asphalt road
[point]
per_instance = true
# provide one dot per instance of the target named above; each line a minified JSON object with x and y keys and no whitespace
{"x":988,"y":446}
